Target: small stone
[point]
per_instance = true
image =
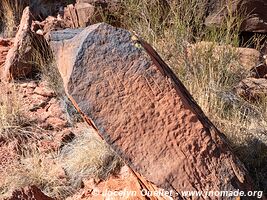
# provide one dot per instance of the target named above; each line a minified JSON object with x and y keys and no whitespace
{"x":43,"y":91}
{"x":252,"y":89}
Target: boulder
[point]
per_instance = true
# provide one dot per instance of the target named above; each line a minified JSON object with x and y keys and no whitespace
{"x":252,"y":89}
{"x":138,"y":105}
{"x":106,"y":10}
{"x":248,"y":57}
{"x":27,"y":193}
{"x":18,"y":57}
{"x":254,"y":10}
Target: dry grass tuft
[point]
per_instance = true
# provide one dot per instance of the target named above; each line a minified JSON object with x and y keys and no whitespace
{"x":45,"y":62}
{"x":12,"y":121}
{"x":34,"y":168}
{"x":10,"y":16}
{"x":88,"y":156}
{"x":47,"y":69}
{"x":60,"y":174}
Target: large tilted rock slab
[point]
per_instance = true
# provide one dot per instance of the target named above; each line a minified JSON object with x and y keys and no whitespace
{"x":145,"y":113}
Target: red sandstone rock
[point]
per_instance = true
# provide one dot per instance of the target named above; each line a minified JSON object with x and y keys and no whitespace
{"x":5,"y":45}
{"x":18,"y":58}
{"x":48,"y":25}
{"x":79,"y":15}
{"x":144,"y":112}
{"x":44,"y":91}
{"x":42,"y":105}
{"x":28,"y":48}
{"x":16,"y":61}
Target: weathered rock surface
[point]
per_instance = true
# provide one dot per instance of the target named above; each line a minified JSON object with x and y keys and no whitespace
{"x":252,"y":88}
{"x":17,"y":60}
{"x":79,"y":15}
{"x":145,"y":113}
{"x":28,"y":193}
{"x":5,"y":45}
{"x":254,"y":10}
{"x":64,"y":34}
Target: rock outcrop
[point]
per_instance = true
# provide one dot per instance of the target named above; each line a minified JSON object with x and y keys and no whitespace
{"x":138,"y":105}
{"x":27,"y":49}
{"x":17,"y":60}
{"x":49,"y":24}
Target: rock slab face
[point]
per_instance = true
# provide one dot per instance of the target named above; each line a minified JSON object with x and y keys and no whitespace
{"x":145,"y":113}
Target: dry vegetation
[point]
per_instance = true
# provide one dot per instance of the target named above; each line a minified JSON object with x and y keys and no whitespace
{"x":12,"y":122}
{"x":88,"y":156}
{"x":59,"y":174}
{"x":10,"y":13}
